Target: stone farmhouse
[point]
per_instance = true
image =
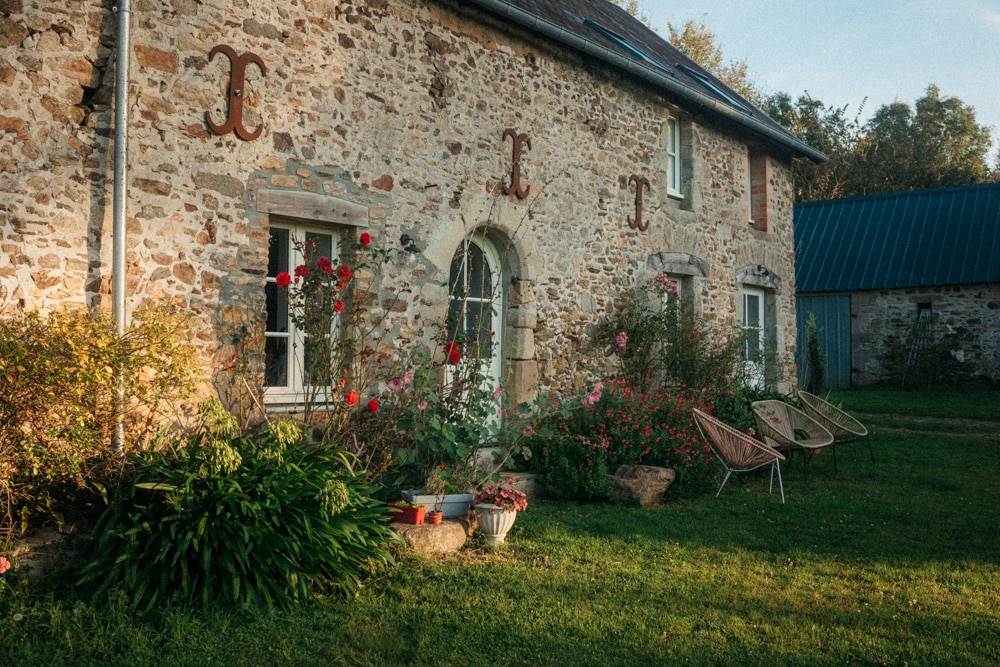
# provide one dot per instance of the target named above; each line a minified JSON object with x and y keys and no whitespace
{"x":916,"y":269}
{"x":558,"y":146}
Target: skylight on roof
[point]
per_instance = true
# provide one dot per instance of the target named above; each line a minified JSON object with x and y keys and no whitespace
{"x":624,"y":43}
{"x":717,"y":89}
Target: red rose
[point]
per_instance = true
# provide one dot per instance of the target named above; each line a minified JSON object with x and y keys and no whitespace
{"x":444,"y":467}
{"x":339,"y":306}
{"x":373,"y":406}
{"x":366,"y":239}
{"x":451,"y":351}
{"x":283,"y":279}
{"x":301,"y":271}
{"x":351,"y":398}
{"x":344,"y":272}
{"x":325,"y":265}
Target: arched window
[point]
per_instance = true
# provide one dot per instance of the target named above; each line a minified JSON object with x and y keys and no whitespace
{"x":475,"y":318}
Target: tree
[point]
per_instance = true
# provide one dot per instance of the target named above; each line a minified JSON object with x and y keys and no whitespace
{"x":829,"y":130}
{"x":898,"y":149}
{"x":939,"y":144}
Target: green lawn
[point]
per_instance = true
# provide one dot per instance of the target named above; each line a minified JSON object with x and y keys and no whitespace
{"x":893,"y":562}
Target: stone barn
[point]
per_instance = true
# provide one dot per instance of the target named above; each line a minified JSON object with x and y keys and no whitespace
{"x":560,"y":147}
{"x":892,"y":278}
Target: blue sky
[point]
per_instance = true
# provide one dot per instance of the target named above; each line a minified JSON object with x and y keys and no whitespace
{"x":842,"y":51}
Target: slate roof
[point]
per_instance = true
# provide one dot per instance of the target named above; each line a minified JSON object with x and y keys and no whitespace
{"x":946,"y":236}
{"x":607,"y":32}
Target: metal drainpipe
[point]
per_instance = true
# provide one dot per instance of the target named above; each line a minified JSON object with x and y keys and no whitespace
{"x":120,"y":176}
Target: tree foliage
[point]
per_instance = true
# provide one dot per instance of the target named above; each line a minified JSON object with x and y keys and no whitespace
{"x":937,"y":143}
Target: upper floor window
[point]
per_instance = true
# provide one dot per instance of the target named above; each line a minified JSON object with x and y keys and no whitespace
{"x":759,"y":192}
{"x":673,"y":156}
{"x":292,"y":366}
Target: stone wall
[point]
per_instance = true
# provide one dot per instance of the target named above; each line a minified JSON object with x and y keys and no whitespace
{"x":398,"y":106}
{"x":965,"y":320}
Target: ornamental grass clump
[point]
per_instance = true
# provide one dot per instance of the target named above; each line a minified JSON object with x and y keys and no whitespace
{"x":249,"y":519}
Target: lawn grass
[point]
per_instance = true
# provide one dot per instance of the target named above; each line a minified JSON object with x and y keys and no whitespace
{"x":893,"y":562}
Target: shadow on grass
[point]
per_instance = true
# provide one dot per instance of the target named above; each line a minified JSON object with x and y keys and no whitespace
{"x":924,"y":498}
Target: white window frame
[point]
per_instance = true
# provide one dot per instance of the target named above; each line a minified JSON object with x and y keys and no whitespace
{"x":295,"y":391}
{"x":495,"y":304}
{"x":674,"y":161}
{"x":754,"y":321}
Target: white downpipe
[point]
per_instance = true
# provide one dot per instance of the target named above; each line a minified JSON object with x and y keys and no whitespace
{"x":123,"y":59}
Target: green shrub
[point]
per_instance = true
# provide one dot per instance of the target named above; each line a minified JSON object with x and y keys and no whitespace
{"x":58,"y":384}
{"x":660,"y":339}
{"x":248,"y":519}
{"x":653,"y":427}
{"x":574,"y":468}
{"x":817,"y":360}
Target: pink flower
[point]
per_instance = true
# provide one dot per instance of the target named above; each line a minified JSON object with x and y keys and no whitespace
{"x":408,"y":378}
{"x":751,"y":432}
{"x":527,"y":431}
{"x":422,"y":405}
{"x":594,"y":396}
{"x":497,"y":393}
{"x":4,"y":564}
{"x":395,"y":385}
{"x":621,"y":339}
{"x":283,"y":279}
{"x":365,"y":239}
{"x":667,"y":284}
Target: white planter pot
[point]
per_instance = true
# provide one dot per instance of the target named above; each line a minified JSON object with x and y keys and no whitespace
{"x":495,"y":522}
{"x":453,"y":505}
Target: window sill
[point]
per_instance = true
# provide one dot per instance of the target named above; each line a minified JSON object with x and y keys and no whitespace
{"x":673,"y":194}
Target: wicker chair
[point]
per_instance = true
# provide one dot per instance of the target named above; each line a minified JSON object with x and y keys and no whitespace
{"x":841,"y":425}
{"x":788,"y":429}
{"x":737,"y":451}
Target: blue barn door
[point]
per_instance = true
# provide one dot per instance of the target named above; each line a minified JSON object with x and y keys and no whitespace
{"x":833,"y":317}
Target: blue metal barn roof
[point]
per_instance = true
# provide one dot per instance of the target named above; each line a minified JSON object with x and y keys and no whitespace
{"x":947,"y":236}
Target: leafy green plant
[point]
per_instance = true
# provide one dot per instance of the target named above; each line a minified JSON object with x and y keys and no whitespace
{"x":815,"y":356}
{"x":625,"y":425}
{"x":59,"y":377}
{"x":660,"y":339}
{"x":263,"y":518}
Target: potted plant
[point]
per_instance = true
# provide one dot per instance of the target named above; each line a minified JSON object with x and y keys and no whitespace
{"x":497,"y":506}
{"x":405,"y":511}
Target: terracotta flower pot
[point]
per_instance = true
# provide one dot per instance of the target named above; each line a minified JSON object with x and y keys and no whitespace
{"x":433,"y":517}
{"x":414,"y":515}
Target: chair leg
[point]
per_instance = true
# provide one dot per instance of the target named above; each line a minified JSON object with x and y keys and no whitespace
{"x":834,"y":448}
{"x":729,"y":471}
{"x":781,"y":487}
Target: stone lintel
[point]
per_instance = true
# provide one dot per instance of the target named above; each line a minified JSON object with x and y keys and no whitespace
{"x":311,"y":206}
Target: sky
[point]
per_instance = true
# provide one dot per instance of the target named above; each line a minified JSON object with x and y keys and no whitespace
{"x":844,"y":51}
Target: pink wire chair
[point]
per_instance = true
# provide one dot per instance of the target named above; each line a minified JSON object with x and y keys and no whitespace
{"x":737,"y":451}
